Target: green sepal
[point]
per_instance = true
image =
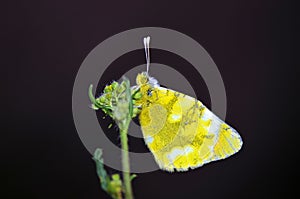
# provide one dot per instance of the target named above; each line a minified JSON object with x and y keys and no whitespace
{"x":133,"y":176}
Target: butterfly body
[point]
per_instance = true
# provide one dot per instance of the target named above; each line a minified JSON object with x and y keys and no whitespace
{"x":179,"y":130}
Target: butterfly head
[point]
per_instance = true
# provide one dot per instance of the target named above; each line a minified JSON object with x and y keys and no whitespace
{"x":145,"y":86}
{"x":143,"y":79}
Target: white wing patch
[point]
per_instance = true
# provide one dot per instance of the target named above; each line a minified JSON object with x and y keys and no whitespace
{"x":175,"y":153}
{"x":149,"y":139}
{"x":207,"y":115}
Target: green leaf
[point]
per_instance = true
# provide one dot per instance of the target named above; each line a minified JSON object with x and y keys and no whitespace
{"x":104,"y":179}
{"x":113,"y":185}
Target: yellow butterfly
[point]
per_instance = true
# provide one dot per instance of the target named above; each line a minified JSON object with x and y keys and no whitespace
{"x":179,"y":130}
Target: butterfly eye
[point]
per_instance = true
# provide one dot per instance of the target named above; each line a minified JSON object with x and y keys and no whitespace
{"x":149,"y":92}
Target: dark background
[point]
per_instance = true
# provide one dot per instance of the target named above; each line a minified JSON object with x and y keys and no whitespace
{"x":44,"y":43}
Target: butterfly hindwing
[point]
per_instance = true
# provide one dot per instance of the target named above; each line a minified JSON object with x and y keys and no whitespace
{"x":182,"y":133}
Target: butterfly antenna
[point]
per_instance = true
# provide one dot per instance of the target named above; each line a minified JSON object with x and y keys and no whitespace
{"x":147,"y":51}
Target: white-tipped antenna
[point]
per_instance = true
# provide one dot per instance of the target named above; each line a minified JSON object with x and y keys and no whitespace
{"x":147,"y":51}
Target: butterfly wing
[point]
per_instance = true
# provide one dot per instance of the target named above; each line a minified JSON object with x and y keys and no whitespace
{"x":182,"y":133}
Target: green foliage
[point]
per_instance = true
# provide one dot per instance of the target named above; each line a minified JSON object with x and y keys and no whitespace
{"x":112,"y":185}
{"x":117,"y":101}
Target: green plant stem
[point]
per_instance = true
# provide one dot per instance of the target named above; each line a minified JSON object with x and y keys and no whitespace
{"x":125,"y":163}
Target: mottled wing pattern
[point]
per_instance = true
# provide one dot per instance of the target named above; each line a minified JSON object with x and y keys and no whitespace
{"x":182,"y":133}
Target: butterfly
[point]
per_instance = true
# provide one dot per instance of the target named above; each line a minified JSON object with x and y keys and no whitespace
{"x":179,"y":130}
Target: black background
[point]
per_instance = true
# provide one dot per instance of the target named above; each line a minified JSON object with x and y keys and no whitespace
{"x":44,"y":43}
